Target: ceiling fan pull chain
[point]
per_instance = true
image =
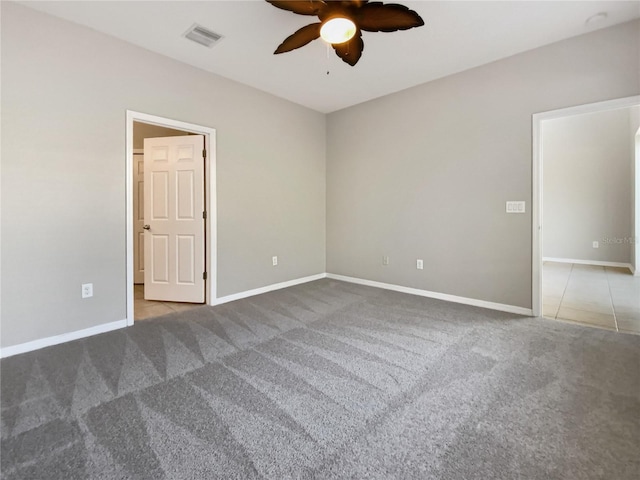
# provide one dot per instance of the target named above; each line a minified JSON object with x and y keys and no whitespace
{"x":328,"y":57}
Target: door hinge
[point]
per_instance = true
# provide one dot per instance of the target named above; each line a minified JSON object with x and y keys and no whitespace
{"x":204,"y":154}
{"x":204,"y":215}
{"x":204,"y":275}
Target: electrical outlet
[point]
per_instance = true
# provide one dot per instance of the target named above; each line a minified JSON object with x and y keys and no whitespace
{"x":385,"y":260}
{"x":87,"y":290}
{"x":419,"y":264}
{"x":596,"y":244}
{"x":274,"y":260}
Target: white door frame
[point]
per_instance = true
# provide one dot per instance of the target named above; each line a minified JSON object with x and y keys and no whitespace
{"x":209,"y":192}
{"x":537,"y":165}
{"x":636,"y":199}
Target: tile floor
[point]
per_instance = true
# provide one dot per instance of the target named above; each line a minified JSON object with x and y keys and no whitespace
{"x":605,"y":297}
{"x":145,"y":309}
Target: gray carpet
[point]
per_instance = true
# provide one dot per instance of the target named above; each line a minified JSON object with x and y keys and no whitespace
{"x":327,"y":380}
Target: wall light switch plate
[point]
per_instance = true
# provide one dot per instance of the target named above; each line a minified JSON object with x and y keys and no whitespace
{"x":516,"y":206}
{"x":274,"y":261}
{"x":596,"y":244}
{"x":385,"y":260}
{"x":419,"y":264}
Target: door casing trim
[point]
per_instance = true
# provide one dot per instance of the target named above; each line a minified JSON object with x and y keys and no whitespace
{"x":211,"y":240}
{"x":536,"y":180}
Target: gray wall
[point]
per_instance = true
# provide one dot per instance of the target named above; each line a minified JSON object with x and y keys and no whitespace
{"x":425,"y":173}
{"x":63,"y":172}
{"x":587,"y":193}
{"x":145,"y":130}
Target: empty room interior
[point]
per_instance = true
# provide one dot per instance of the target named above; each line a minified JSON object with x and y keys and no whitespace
{"x":589,"y":184}
{"x":236,"y":245}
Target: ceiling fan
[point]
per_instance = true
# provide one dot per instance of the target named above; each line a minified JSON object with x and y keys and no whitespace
{"x":342,"y":22}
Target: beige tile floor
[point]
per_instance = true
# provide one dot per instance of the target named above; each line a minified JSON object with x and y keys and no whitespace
{"x":605,"y":297}
{"x":146,"y":309}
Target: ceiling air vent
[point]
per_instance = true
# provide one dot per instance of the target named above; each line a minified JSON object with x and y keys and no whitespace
{"x":201,"y":35}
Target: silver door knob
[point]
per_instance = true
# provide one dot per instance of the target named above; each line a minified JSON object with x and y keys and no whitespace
{"x":147,"y":227}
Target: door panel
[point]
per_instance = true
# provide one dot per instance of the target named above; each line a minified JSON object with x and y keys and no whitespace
{"x":184,"y":191}
{"x":159,"y":254}
{"x":160,"y":194}
{"x":140,"y":255}
{"x":138,"y":218}
{"x":174,"y":203}
{"x":185,"y":245}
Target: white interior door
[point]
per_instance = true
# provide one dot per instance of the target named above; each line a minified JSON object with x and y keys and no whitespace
{"x":138,"y":217}
{"x":174,"y":252}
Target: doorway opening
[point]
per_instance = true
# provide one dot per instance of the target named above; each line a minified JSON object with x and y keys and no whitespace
{"x":175,"y":198}
{"x":581,"y":283}
{"x":146,"y":302}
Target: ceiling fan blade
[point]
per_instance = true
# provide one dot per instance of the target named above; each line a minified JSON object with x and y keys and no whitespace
{"x":351,"y":51}
{"x":301,"y":7}
{"x":379,"y":17}
{"x":300,"y":38}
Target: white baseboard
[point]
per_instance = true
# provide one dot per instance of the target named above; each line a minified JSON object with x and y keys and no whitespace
{"x":440,"y":296}
{"x":107,"y":327}
{"x":268,"y":288}
{"x":596,"y":263}
{"x":57,"y":339}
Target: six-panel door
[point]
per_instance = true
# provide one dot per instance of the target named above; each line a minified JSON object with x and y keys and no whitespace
{"x":174,"y":259}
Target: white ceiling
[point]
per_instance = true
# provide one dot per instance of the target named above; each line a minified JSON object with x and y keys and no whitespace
{"x":457,"y":35}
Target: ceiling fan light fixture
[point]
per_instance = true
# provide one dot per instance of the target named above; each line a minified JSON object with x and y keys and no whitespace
{"x":337,"y":30}
{"x":341,"y":23}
